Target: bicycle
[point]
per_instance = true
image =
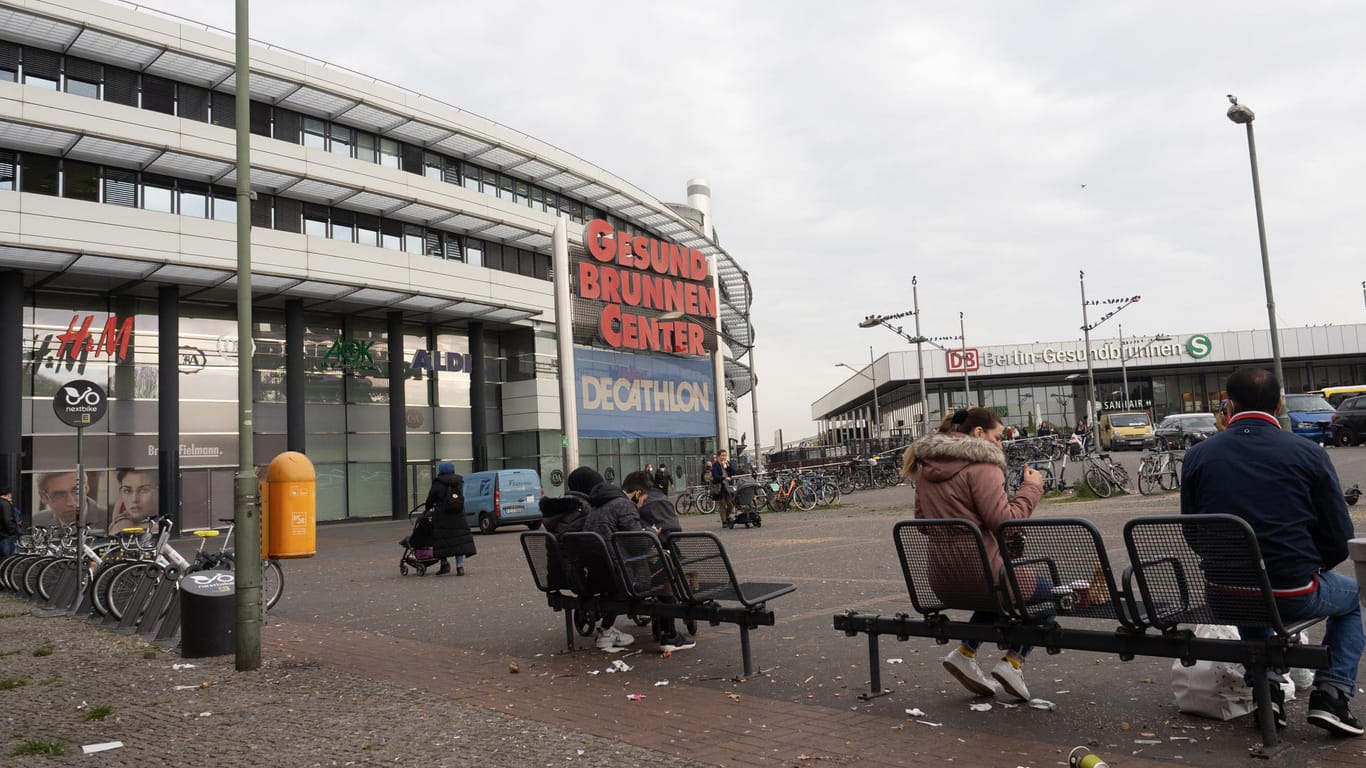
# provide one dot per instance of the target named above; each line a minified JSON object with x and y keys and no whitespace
{"x":1102,"y":475}
{"x":790,"y":490}
{"x":1159,"y":469}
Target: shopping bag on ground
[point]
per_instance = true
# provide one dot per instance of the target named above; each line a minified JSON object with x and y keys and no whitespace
{"x":1212,"y":689}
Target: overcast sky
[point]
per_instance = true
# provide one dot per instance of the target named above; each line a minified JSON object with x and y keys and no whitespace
{"x":992,"y":149}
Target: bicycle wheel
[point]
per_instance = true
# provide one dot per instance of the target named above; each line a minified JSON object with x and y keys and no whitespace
{"x":125,"y":585}
{"x":1170,"y":479}
{"x":780,"y":501}
{"x":804,"y":498}
{"x":34,"y":571}
{"x":272,"y":583}
{"x":686,"y":503}
{"x":829,"y":494}
{"x":49,"y":577}
{"x":847,"y":484}
{"x":99,"y":590}
{"x":705,"y":503}
{"x":1046,"y":475}
{"x":1119,"y":476}
{"x":1147,"y":478}
{"x":1095,"y":480}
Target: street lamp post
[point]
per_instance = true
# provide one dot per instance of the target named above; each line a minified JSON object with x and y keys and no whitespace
{"x":1087,"y":326}
{"x":920,"y":363}
{"x":871,"y":376}
{"x":1242,"y":115}
{"x":967,"y":388}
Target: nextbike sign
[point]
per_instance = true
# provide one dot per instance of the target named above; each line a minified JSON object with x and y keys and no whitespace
{"x":80,"y":403}
{"x":621,"y":395}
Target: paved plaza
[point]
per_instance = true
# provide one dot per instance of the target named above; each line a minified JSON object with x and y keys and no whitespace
{"x":364,"y":666}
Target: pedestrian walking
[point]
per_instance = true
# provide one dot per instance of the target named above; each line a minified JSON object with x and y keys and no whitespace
{"x":9,"y":523}
{"x":451,"y":536}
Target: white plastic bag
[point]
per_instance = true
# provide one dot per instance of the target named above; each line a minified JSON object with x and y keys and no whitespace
{"x":1216,"y":689}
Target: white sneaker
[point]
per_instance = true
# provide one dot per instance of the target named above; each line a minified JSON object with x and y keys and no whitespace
{"x":965,"y":670}
{"x":1011,"y":679}
{"x":611,"y":637}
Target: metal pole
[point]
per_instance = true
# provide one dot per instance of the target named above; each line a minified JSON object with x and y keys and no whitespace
{"x":247,"y":634}
{"x":1123,"y":370}
{"x":564,"y":342}
{"x":1091,"y":426}
{"x":877,"y":412}
{"x":963,"y":339}
{"x":80,"y":522}
{"x":1266,"y":268}
{"x":919,"y":360}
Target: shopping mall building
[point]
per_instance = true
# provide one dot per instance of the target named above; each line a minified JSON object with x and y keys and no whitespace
{"x":1028,"y":384}
{"x":404,"y":295}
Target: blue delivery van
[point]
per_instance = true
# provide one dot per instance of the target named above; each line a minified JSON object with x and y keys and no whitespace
{"x":503,"y":497}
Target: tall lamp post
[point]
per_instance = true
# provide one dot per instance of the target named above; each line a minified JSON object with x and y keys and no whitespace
{"x":917,"y":340}
{"x":1240,"y":114}
{"x":871,"y":376}
{"x":963,"y":342}
{"x":1087,"y":326}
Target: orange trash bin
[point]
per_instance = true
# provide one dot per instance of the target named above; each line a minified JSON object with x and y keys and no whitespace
{"x":291,"y":491}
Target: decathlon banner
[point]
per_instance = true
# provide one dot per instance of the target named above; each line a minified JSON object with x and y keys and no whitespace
{"x":622,"y":395}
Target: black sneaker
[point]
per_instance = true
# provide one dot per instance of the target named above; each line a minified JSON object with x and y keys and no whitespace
{"x":678,"y":642}
{"x":445,"y":569}
{"x":1277,"y":707}
{"x":1328,"y":710}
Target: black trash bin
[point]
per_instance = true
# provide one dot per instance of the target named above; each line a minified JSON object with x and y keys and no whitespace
{"x":207,"y":611}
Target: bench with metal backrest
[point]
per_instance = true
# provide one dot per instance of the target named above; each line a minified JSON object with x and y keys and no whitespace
{"x":1057,"y":577}
{"x":688,"y":577}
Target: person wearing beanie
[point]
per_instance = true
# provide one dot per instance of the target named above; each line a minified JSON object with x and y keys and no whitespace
{"x":451,"y":536}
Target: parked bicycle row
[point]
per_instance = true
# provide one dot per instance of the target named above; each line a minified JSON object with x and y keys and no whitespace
{"x":113,"y":565}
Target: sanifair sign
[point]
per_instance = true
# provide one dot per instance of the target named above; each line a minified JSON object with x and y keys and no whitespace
{"x":651,"y":291}
{"x":621,"y":395}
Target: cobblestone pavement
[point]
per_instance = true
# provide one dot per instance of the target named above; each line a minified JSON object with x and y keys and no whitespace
{"x":66,"y":683}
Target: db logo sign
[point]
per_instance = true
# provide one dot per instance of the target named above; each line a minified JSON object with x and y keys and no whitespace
{"x":960,"y":360}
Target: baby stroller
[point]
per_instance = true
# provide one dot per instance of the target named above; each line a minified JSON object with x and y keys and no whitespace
{"x":417,"y":546}
{"x":747,"y":496}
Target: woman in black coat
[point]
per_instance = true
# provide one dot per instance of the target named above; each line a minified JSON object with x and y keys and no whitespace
{"x":451,"y":535}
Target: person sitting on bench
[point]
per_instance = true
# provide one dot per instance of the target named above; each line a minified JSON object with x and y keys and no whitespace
{"x":1287,"y":490}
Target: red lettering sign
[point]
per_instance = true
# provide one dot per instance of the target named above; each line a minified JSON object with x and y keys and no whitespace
{"x":960,"y":360}
{"x":113,"y":341}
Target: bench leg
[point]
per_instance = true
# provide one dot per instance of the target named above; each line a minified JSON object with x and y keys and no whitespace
{"x":744,"y":650}
{"x":1261,"y":694}
{"x":875,"y":688}
{"x":569,"y":628}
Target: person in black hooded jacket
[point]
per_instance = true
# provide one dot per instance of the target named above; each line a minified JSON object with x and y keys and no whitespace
{"x":451,"y":536}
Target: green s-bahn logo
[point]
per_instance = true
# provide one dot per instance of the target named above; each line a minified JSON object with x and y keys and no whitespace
{"x":1198,"y":346}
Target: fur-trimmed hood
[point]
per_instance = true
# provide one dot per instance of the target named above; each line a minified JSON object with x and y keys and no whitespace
{"x":940,"y":456}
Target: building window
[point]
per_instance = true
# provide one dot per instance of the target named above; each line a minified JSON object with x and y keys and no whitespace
{"x":193,"y":103}
{"x":223,"y":109}
{"x":342,"y":139}
{"x":225,"y":204}
{"x":120,"y":187}
{"x":259,"y":113}
{"x":367,"y":229}
{"x":288,"y":123}
{"x":194,"y":200}
{"x":158,"y":193}
{"x":365,"y":146}
{"x":315,"y":133}
{"x":288,"y":214}
{"x":158,"y":94}
{"x":39,"y":176}
{"x":83,"y":77}
{"x":474,"y":252}
{"x":414,"y":240}
{"x":343,"y":225}
{"x":388,"y":153}
{"x":41,"y":68}
{"x":81,"y":181}
{"x":9,"y":61}
{"x":471,"y":176}
{"x":391,"y":234}
{"x":6,"y":171}
{"x":431,"y":165}
{"x":120,"y":86}
{"x":315,"y":219}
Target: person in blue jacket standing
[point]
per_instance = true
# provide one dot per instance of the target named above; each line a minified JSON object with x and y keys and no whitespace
{"x":1287,"y":490}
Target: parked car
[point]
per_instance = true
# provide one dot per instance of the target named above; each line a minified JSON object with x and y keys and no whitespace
{"x":1182,"y":430}
{"x":1125,"y":429}
{"x":1349,"y":423}
{"x":503,"y":497}
{"x":1310,"y":416}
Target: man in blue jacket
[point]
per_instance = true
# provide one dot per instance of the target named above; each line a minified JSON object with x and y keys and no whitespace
{"x":1286,"y":489}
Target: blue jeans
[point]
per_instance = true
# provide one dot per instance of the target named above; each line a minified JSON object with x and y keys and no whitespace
{"x":1338,"y":599}
{"x":7,"y":545}
{"x":1043,"y":586}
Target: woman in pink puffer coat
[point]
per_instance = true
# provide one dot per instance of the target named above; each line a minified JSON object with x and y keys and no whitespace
{"x":959,"y":474}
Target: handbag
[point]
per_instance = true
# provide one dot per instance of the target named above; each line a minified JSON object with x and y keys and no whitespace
{"x":1216,"y":689}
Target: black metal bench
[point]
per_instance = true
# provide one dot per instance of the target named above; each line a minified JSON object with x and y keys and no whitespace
{"x":688,"y":578}
{"x":1183,"y":570}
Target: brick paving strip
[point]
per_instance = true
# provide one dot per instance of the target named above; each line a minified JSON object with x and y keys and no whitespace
{"x":723,"y":728}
